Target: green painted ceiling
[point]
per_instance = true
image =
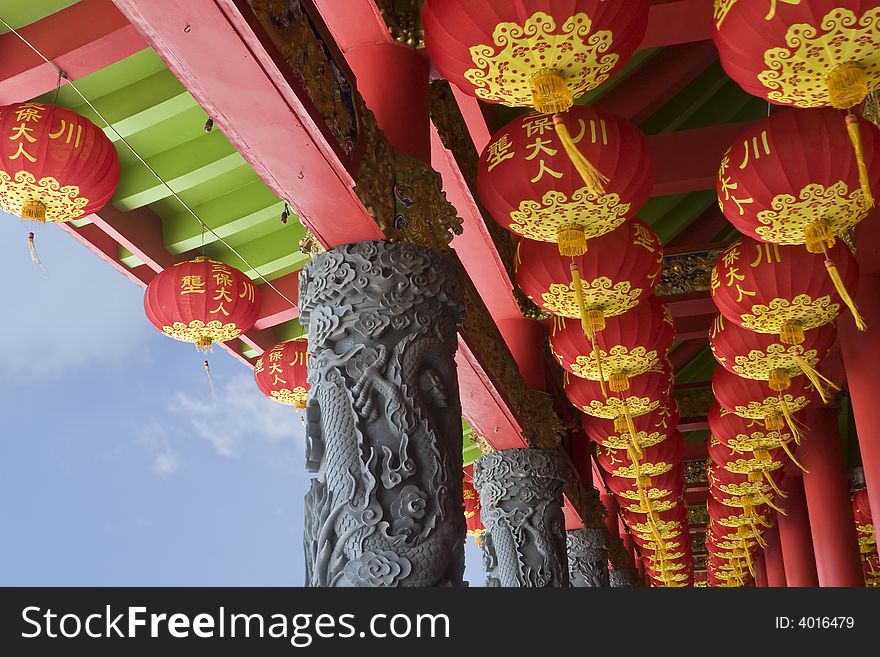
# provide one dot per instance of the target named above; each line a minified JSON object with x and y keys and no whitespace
{"x":19,"y":13}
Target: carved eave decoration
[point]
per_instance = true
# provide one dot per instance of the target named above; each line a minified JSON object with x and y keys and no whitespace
{"x":404,"y":20}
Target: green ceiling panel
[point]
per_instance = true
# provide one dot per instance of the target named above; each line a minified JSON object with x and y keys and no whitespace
{"x":19,"y":13}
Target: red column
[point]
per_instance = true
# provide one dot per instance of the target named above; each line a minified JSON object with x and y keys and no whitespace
{"x":832,"y":526}
{"x":860,"y":358}
{"x":795,"y":538}
{"x":393,"y":80}
{"x":773,"y":564}
{"x":760,"y":570}
{"x":612,"y":520}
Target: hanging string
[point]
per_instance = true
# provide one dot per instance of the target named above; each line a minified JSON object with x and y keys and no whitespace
{"x":211,"y":382}
{"x":146,"y":165}
{"x":32,"y":249}
{"x":816,"y":378}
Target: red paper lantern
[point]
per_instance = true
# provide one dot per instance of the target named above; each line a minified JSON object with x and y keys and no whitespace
{"x":745,"y":435}
{"x":753,"y":464}
{"x":529,"y":185}
{"x":651,"y":428}
{"x":55,"y":165}
{"x":202,"y":301}
{"x":736,"y":516}
{"x":646,"y":393}
{"x":472,"y":511}
{"x":764,"y":357}
{"x":769,"y":288}
{"x":282,"y":373}
{"x":620,"y":270}
{"x":629,"y":345}
{"x":803,"y":53}
{"x":651,"y":461}
{"x":669,"y":485}
{"x":793,"y":178}
{"x":531,"y":53}
{"x":864,"y":523}
{"x":756,"y":400}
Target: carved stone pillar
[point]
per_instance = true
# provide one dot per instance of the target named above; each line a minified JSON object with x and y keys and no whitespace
{"x":587,"y":557}
{"x":521,"y":507}
{"x":383,"y":418}
{"x":621,"y":577}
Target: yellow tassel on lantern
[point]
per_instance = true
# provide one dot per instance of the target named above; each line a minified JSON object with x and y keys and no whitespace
{"x":789,"y":419}
{"x":847,"y":85}
{"x":571,"y":241}
{"x":597,"y":354}
{"x":630,"y":425}
{"x":593,"y":178}
{"x":844,"y":294}
{"x":774,"y":422}
{"x":755,"y":476}
{"x":618,"y":382}
{"x":779,"y":380}
{"x":776,"y":489}
{"x":816,"y":378}
{"x":587,"y":320}
{"x":852,"y":127}
{"x":818,"y":236}
{"x":788,"y":453}
{"x":792,"y":332}
{"x":34,"y":211}
{"x":766,"y":500}
{"x":550,"y":92}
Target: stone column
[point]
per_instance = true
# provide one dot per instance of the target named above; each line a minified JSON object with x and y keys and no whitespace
{"x":521,"y":507}
{"x":835,"y":543}
{"x":621,"y":577}
{"x":383,"y":418}
{"x":587,"y":557}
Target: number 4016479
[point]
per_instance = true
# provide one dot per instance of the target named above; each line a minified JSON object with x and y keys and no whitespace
{"x":826,"y":622}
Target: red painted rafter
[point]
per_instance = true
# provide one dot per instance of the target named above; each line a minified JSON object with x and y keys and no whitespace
{"x":80,"y":39}
{"x":658,"y":80}
{"x":678,"y":21}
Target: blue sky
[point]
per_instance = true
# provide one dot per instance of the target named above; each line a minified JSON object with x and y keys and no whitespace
{"x":115,"y":468}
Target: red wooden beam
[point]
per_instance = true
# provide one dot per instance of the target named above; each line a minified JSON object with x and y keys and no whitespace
{"x":684,"y":352}
{"x":701,"y":230}
{"x":81,"y":39}
{"x":659,"y":80}
{"x":679,"y":21}
{"x":696,"y":303}
{"x":688,"y":160}
{"x":250,"y":97}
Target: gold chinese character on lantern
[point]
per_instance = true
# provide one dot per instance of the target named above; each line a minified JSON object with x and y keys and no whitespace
{"x":222,"y":295}
{"x":768,"y":251}
{"x":192,"y":285}
{"x":69,"y":128}
{"x":247,"y":291}
{"x":499,"y":151}
{"x":751,"y":147}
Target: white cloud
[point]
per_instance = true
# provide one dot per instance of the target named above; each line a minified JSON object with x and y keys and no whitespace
{"x":242,"y":414}
{"x":77,"y":313}
{"x":165,"y":460}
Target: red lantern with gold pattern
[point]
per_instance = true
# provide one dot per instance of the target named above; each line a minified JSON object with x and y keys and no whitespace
{"x":764,"y":357}
{"x":650,"y":461}
{"x":646,"y":393}
{"x":802,"y":53}
{"x":282,"y":373}
{"x":864,"y":522}
{"x":757,"y":400}
{"x":530,"y":186}
{"x":756,"y":465}
{"x":807,"y":54}
{"x":769,"y":288}
{"x":793,"y":178}
{"x":55,"y":165}
{"x":629,"y":345}
{"x":669,"y":485}
{"x":651,"y":428}
{"x":620,"y":270}
{"x":540,"y":54}
{"x":744,"y":435}
{"x":202,"y":301}
{"x":472,"y":511}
